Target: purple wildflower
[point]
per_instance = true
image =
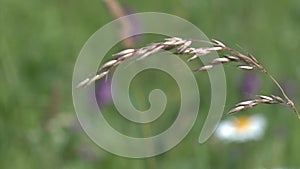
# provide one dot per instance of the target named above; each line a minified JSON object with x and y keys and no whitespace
{"x":249,"y":85}
{"x":103,"y":92}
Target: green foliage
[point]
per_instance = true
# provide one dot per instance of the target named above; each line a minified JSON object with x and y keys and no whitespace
{"x":40,"y":41}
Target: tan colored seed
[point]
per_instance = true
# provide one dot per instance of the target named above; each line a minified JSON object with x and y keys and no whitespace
{"x":97,"y":77}
{"x":180,"y":42}
{"x":232,"y":58}
{"x":124,"y":52}
{"x":214,"y":48}
{"x":246,"y":67}
{"x":173,"y":39}
{"x":265,"y":97}
{"x":279,"y":99}
{"x":83,"y":83}
{"x":245,"y":103}
{"x":220,"y":60}
{"x":193,"y":58}
{"x":109,"y":64}
{"x":189,"y":51}
{"x":206,"y":67}
{"x":218,"y":43}
{"x":125,"y":57}
{"x":182,"y":48}
{"x":236,"y":109}
{"x":202,"y":51}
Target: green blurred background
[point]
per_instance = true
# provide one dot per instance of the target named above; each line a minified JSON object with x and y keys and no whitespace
{"x":40,"y":41}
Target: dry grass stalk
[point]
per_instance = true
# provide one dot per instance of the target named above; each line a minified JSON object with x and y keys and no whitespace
{"x":181,"y":46}
{"x":261,"y":100}
{"x":117,"y":11}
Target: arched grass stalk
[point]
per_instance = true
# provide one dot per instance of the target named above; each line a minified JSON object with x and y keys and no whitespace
{"x":181,"y":46}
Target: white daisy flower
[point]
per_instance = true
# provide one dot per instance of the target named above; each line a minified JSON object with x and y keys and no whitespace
{"x":241,"y":129}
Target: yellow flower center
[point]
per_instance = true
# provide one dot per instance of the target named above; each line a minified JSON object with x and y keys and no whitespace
{"x":242,"y":123}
